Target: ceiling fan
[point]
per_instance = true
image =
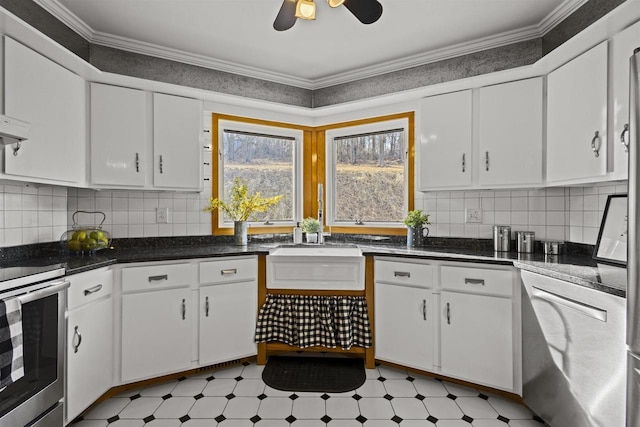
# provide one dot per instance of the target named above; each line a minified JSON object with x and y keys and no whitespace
{"x":366,"y":11}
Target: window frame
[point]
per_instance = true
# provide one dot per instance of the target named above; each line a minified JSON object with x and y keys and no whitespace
{"x":219,"y":124}
{"x":331,"y":163}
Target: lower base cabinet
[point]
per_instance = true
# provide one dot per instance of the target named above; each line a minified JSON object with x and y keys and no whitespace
{"x":404,"y":325}
{"x":156,"y":333}
{"x":477,"y":338}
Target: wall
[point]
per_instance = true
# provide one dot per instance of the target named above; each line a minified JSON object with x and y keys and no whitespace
{"x":31,"y":213}
{"x":572,"y":214}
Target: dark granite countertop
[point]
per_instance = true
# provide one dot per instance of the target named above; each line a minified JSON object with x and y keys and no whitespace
{"x":578,"y":267}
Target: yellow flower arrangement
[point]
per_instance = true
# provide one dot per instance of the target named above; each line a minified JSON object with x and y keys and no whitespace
{"x":243,"y":205}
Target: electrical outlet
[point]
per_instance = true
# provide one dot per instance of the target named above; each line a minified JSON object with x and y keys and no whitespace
{"x":473,"y":215}
{"x":162,"y":215}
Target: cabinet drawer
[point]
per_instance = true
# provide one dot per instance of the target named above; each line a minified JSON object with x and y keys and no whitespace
{"x":228,"y":270}
{"x":404,"y":273}
{"x":155,"y":277}
{"x":478,"y":280}
{"x":89,"y":286}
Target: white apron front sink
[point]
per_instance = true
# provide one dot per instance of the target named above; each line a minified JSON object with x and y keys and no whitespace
{"x":315,"y":268}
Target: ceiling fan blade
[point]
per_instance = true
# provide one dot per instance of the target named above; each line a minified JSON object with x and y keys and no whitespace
{"x":367,"y":11}
{"x":286,"y":17}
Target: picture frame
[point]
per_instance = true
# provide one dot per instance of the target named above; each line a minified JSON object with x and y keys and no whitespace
{"x":611,"y":246}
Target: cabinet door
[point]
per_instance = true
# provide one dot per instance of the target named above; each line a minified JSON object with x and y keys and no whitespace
{"x":404,"y":331}
{"x":176,"y":142}
{"x":89,"y":355}
{"x":622,"y":47}
{"x":156,"y":333}
{"x":576,"y":110}
{"x":52,"y":99}
{"x":445,"y":141}
{"x":227,"y":322}
{"x":510,"y":133}
{"x":477,"y":338}
{"x":118,"y":135}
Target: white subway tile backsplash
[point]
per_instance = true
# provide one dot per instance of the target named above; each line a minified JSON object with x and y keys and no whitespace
{"x":591,"y":219}
{"x":502,"y":204}
{"x":555,"y":218}
{"x":519,"y":204}
{"x":555,"y":203}
{"x":503,"y":218}
{"x":537,"y":203}
{"x":590,"y":203}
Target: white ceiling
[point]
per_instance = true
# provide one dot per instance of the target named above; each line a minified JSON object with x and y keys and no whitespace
{"x":238,"y":35}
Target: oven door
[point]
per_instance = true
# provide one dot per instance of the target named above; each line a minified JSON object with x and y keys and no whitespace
{"x":41,"y":388}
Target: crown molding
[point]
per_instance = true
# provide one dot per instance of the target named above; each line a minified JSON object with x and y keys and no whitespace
{"x":108,"y":40}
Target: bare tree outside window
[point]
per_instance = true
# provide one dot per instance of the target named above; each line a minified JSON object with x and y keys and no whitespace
{"x":265,"y":163}
{"x":370,"y":177}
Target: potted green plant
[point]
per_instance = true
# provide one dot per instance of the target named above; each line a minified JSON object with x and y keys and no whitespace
{"x":416,"y":222}
{"x":311,"y":227}
{"x":241,"y":206}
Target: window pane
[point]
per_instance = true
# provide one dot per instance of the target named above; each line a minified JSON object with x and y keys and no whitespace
{"x":370,"y":177}
{"x":265,"y":163}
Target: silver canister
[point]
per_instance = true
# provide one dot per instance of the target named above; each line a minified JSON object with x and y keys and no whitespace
{"x":553,"y":247}
{"x":501,"y":238}
{"x":525,"y":241}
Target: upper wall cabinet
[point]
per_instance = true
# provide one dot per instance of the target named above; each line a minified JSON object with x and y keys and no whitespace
{"x":118,"y":136}
{"x":53,"y":100}
{"x":177,"y":154}
{"x":445,"y":141}
{"x":577,"y":119}
{"x":621,"y":48}
{"x":510,"y":133}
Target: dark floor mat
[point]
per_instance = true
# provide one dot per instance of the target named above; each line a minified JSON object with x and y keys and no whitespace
{"x":318,"y":374}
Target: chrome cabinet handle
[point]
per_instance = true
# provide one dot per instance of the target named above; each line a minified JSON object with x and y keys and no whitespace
{"x":137,"y":162}
{"x":92,"y":290}
{"x":622,"y":140}
{"x":595,"y":149}
{"x":486,"y":161}
{"x":464,"y":162}
{"x":184,"y":309}
{"x":158,"y":278}
{"x":206,"y":307}
{"x":586,"y":309}
{"x":76,"y":340}
{"x":448,"y":314}
{"x":468,"y":281}
{"x":228,"y":272}
{"x":161,"y":163}
{"x":424,"y":309}
{"x":401,"y":274}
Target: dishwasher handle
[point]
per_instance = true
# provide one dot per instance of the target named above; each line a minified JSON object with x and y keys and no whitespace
{"x":586,"y":309}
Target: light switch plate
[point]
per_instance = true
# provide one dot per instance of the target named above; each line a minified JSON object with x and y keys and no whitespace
{"x":473,"y":215}
{"x":162,"y":215}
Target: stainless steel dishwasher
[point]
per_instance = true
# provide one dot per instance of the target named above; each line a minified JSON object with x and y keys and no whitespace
{"x":574,"y":353}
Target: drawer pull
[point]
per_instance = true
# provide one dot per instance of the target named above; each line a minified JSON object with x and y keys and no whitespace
{"x":76,"y":342}
{"x":228,"y":272}
{"x":424,"y":309}
{"x":184,"y":309}
{"x":448,"y":314}
{"x":158,"y":278}
{"x":468,"y":281}
{"x":92,"y":290}
{"x":401,"y":274}
{"x":206,"y":307}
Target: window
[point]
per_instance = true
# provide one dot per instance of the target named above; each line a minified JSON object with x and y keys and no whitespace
{"x":268,"y":160}
{"x":367,"y":174}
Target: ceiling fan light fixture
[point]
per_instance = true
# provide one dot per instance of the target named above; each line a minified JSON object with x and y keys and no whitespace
{"x":306,"y":9}
{"x":335,"y":3}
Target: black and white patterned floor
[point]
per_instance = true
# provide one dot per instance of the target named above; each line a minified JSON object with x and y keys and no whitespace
{"x":237,"y":397}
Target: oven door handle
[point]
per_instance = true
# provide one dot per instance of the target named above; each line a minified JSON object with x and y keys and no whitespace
{"x":54,"y":288}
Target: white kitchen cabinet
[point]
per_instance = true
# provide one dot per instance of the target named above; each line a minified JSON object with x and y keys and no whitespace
{"x":53,"y":100}
{"x":176,"y":142}
{"x":621,"y":48}
{"x":89,"y":349}
{"x":404,"y":313}
{"x":227,"y":322}
{"x":157,"y":317}
{"x":119,"y":132}
{"x":445,"y":141}
{"x":510,"y":133}
{"x":477,"y":327}
{"x":577,"y":119}
{"x":228,"y":304}
{"x":404,"y":325}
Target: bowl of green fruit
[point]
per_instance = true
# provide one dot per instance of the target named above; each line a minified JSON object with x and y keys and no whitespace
{"x":86,"y":238}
